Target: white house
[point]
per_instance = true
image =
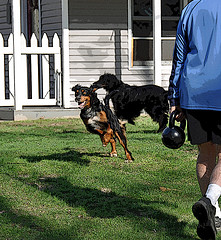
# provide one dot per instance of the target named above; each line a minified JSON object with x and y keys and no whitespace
{"x":48,"y":46}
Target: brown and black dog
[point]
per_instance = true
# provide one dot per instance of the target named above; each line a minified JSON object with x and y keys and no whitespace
{"x":99,"y":119}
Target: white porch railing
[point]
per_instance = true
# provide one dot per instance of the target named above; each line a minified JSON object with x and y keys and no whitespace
{"x":34,"y":51}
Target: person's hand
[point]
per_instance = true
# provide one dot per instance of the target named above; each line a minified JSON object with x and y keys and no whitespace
{"x":180,"y":116}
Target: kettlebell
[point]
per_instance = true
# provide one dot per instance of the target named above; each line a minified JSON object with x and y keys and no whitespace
{"x":174,"y":136}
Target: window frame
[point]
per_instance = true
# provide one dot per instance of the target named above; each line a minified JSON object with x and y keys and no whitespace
{"x":150,"y":64}
{"x":131,"y":40}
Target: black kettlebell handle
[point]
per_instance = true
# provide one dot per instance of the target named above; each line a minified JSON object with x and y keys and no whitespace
{"x":173,"y":118}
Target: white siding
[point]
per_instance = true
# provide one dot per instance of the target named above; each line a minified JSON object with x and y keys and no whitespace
{"x":165,"y":75}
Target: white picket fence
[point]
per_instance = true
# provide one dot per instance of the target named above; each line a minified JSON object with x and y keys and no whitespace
{"x":34,"y":50}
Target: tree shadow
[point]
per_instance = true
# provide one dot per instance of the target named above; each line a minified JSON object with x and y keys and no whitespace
{"x":107,"y":204}
{"x":142,"y":215}
{"x":37,"y":226}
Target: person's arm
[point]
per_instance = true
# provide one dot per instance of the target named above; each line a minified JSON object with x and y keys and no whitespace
{"x":179,"y":57}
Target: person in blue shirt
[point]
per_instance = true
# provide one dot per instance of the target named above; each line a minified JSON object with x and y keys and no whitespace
{"x":195,"y":91}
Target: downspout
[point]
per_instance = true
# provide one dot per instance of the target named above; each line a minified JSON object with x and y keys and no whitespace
{"x":157,"y":41}
{"x":40,"y":56}
{"x":16,"y":28}
{"x":65,"y":55}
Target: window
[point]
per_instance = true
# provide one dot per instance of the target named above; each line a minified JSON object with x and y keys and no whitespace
{"x":142,"y":32}
{"x":170,"y":14}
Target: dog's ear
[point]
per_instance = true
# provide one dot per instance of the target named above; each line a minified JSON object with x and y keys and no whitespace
{"x":93,"y":88}
{"x":76,"y":87}
{"x":73,"y":89}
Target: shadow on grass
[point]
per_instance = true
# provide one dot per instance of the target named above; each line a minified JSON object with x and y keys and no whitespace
{"x":14,"y":222}
{"x":74,"y":131}
{"x":144,"y":216}
{"x":69,"y":156}
{"x":143,"y":131}
{"x":105,"y":204}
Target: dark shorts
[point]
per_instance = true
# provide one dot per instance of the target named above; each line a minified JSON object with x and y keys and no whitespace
{"x":203,"y":126}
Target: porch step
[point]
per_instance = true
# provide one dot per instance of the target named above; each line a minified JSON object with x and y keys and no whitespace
{"x":10,"y":114}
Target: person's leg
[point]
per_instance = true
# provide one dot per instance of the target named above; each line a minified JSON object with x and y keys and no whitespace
{"x":209,"y":177}
{"x":205,"y":164}
{"x":208,"y":172}
{"x":216,"y":174}
{"x":203,"y":209}
{"x":205,"y":126}
{"x":214,"y":188}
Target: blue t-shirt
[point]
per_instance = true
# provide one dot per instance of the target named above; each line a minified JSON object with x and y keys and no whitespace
{"x":195,"y":81}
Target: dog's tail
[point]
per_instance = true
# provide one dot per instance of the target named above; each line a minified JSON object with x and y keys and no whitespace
{"x":119,"y":130}
{"x":112,"y":118}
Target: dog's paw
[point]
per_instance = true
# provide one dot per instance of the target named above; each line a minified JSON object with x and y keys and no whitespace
{"x":113,"y":154}
{"x":128,"y":161}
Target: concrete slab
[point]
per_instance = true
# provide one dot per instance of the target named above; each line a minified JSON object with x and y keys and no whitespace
{"x":9,"y":114}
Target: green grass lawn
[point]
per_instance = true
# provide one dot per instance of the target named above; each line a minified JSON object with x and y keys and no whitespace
{"x":57,"y":182}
